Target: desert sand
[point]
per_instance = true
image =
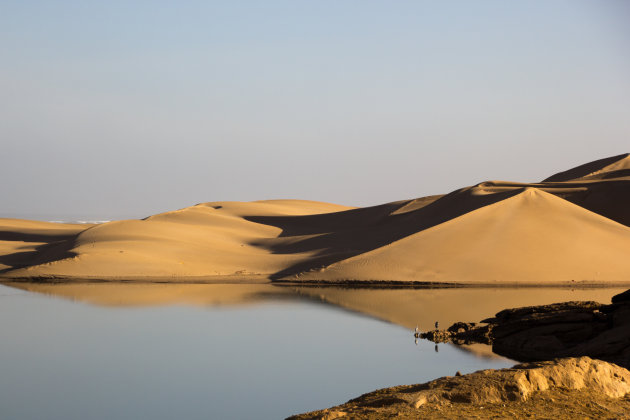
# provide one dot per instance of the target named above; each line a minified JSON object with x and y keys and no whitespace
{"x":571,"y":228}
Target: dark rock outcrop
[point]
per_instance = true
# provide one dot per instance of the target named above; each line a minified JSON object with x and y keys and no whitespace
{"x":569,"y":329}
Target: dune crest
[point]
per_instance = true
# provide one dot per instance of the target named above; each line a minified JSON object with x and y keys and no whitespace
{"x":572,"y":227}
{"x":612,"y":167}
{"x":521,"y":239}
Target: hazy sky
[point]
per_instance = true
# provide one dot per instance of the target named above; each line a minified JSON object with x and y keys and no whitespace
{"x":127,"y":108}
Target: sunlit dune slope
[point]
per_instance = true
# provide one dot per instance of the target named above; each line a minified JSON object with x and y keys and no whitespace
{"x":532,"y":236}
{"x":609,"y":198}
{"x":211,"y":239}
{"x":573,"y":227}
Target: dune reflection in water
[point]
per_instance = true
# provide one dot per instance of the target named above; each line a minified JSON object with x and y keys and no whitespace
{"x":104,"y":350}
{"x":407,"y":307}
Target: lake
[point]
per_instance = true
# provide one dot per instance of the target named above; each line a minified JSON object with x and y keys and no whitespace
{"x":160,"y":351}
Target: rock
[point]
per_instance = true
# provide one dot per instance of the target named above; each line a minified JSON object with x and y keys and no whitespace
{"x":621,"y":316}
{"x":460,"y":333}
{"x":519,"y":382}
{"x":535,"y":334}
{"x":574,"y":307}
{"x":550,"y":331}
{"x":331,"y":415}
{"x":584,"y":377}
{"x":460,"y":327}
{"x":438,"y":336}
{"x":621,"y":297}
{"x":421,"y":399}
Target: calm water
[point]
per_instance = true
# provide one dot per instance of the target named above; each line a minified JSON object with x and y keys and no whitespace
{"x":264,"y":358}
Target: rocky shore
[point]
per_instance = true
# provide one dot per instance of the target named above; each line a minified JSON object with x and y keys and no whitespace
{"x":569,"y":329}
{"x":562,"y":388}
{"x":577,"y":356}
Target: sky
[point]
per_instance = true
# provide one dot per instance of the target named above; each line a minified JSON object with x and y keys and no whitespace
{"x":128,"y":108}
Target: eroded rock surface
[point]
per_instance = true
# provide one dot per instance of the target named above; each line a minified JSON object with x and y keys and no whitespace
{"x":582,"y":386}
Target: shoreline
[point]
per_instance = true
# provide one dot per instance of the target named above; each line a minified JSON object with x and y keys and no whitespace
{"x":577,"y":356}
{"x":350,"y":284}
{"x":563,"y":231}
{"x":388,"y":402}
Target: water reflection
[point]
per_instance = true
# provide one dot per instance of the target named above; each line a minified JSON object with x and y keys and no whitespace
{"x":407,"y":307}
{"x":422,"y":308}
{"x":428,"y":308}
{"x":104,"y":350}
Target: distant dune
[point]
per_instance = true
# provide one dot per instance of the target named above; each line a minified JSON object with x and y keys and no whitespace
{"x":574,"y":227}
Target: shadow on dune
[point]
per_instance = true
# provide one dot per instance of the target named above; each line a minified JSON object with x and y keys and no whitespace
{"x":607,"y":197}
{"x":53,"y":247}
{"x":588,"y":169}
{"x":333,"y":237}
{"x":621,"y":173}
{"x":610,"y":199}
{"x":309,"y":242}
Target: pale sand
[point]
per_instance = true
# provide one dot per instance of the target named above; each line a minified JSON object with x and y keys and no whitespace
{"x":533,"y":236}
{"x":572,"y":229}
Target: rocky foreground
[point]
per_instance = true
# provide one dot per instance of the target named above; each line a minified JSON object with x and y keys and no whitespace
{"x":552,"y":386}
{"x":564,"y":388}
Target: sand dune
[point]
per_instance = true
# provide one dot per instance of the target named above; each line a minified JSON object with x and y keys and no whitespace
{"x":612,"y":167}
{"x":520,"y":239}
{"x":27,"y":242}
{"x":210,"y":239}
{"x":572,"y":227}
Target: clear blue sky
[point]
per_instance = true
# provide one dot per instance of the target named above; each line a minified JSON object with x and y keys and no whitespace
{"x":121,"y":108}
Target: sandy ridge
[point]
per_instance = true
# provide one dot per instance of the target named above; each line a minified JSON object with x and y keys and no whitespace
{"x":572,"y":227}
